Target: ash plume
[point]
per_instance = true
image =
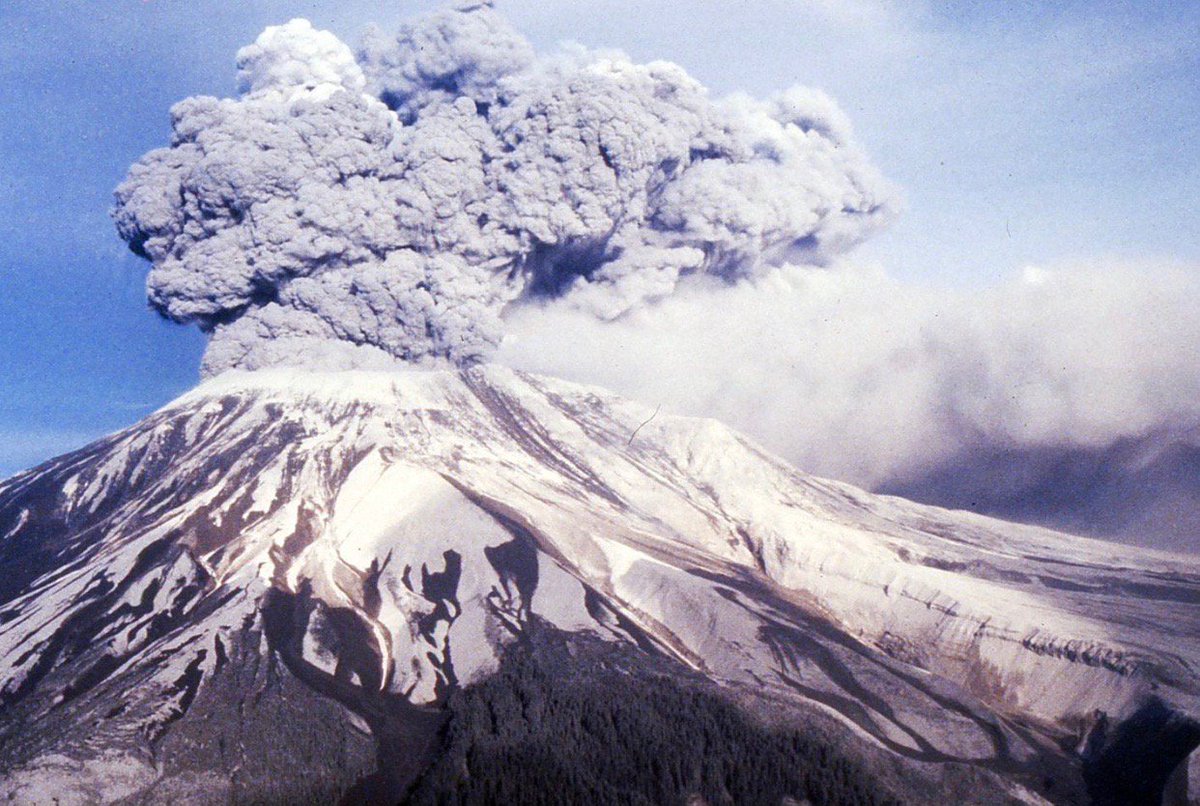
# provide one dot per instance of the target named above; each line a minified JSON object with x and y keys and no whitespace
{"x":1067,"y":395}
{"x":445,"y":194}
{"x":359,"y":209}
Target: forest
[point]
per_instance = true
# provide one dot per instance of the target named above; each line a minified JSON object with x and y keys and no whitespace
{"x":571,"y":718}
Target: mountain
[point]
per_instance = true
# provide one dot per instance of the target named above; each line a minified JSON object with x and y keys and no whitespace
{"x":485,"y":585}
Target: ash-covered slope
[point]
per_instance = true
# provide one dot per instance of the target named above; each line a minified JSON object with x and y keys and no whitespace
{"x":269,"y":589}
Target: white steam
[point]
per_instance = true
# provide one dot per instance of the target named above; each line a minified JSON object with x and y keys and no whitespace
{"x":295,"y":55}
{"x":856,"y":375}
{"x":395,"y":205}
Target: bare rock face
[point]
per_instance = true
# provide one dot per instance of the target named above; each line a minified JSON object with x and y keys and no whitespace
{"x":272,"y":588}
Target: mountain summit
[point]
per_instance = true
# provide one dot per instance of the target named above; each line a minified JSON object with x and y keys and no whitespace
{"x":296,"y":585}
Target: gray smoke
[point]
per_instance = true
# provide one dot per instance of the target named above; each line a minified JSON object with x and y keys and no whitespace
{"x":447,"y":194}
{"x":393,"y":205}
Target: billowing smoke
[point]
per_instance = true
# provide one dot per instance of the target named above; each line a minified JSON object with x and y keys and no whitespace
{"x":447,"y":194}
{"x":395,"y":204}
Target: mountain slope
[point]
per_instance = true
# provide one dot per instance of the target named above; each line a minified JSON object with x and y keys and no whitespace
{"x":337,"y":553}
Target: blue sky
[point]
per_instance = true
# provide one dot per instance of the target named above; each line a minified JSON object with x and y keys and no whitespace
{"x":1020,"y":133}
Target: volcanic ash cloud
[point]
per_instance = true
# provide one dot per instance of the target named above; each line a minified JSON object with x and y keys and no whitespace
{"x":359,"y":209}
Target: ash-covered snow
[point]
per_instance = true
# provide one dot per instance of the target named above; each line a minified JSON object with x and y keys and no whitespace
{"x":421,"y":519}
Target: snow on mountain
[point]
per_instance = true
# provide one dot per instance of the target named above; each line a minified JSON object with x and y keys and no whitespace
{"x":384,"y":535}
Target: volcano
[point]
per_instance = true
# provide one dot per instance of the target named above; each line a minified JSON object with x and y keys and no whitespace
{"x":482,"y":586}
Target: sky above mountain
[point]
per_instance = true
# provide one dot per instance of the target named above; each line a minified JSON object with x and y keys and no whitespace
{"x":1020,"y":138}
